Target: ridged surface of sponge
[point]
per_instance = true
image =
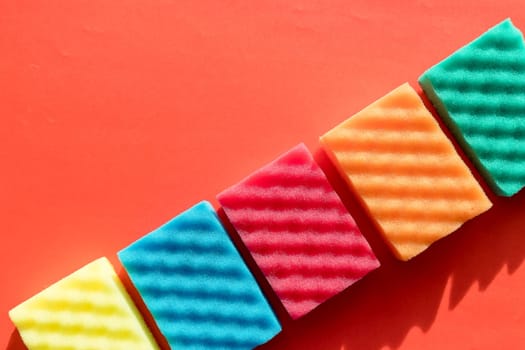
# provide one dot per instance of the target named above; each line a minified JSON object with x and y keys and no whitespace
{"x":479,"y":91}
{"x":298,"y":231}
{"x":406,"y":172}
{"x":89,"y":309}
{"x":196,"y":285}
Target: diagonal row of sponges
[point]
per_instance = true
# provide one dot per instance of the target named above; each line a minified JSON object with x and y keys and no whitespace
{"x":190,"y":276}
{"x":392,"y":154}
{"x":403,"y":168}
{"x":194,"y":281}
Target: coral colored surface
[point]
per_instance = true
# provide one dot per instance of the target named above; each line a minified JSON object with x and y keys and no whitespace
{"x":117,"y":115}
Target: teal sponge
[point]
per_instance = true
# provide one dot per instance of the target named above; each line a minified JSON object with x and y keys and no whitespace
{"x":196,"y":285}
{"x":479,"y":91}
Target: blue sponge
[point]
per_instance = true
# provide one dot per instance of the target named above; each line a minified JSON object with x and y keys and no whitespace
{"x":197,"y":286}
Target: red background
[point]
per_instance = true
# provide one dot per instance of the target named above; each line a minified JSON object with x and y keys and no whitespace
{"x":117,"y":115}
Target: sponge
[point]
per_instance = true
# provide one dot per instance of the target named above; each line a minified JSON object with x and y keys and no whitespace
{"x":479,"y":91}
{"x":196,"y":285}
{"x":89,"y":309}
{"x":298,"y":231}
{"x":406,"y":172}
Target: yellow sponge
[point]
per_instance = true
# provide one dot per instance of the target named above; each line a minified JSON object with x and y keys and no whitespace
{"x":89,"y":309}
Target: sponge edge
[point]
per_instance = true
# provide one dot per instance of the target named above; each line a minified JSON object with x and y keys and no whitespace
{"x":406,"y":172}
{"x":197,"y":286}
{"x":87,"y":309}
{"x":478,"y":92}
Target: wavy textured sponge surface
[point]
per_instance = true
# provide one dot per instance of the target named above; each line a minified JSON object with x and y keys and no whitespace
{"x":298,"y":231}
{"x":479,"y":91}
{"x":87,"y":310}
{"x":406,"y":171}
{"x":196,"y":285}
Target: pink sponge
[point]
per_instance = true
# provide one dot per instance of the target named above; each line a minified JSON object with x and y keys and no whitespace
{"x":298,"y":231}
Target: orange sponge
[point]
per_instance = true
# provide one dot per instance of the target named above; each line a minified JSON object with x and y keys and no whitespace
{"x":406,"y":171}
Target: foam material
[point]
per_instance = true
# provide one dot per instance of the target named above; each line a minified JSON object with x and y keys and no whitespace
{"x":406,"y":171}
{"x":298,"y":231}
{"x":196,"y":285}
{"x":89,"y":309}
{"x":479,"y":91}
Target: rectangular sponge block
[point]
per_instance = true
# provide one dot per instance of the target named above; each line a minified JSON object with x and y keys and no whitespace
{"x":406,"y":172}
{"x":197,"y":286}
{"x":89,"y":309}
{"x":479,"y":91}
{"x":298,"y":231}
